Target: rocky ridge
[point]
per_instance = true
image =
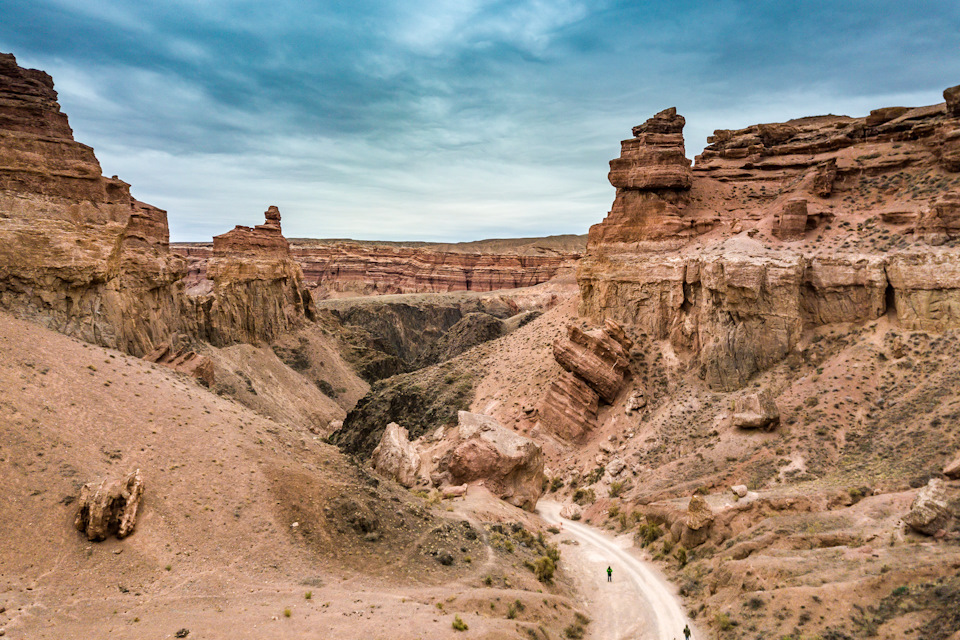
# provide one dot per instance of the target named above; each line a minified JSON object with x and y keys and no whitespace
{"x":777,"y":229}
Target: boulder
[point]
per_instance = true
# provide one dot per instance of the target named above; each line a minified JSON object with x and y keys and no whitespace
{"x":941,"y":222}
{"x":739,"y":490}
{"x":571,"y":512}
{"x":454,"y":491}
{"x":395,"y":457}
{"x":109,"y":507}
{"x":952,"y":470}
{"x":615,"y":467}
{"x":755,"y":411}
{"x":509,"y":465}
{"x":185,"y":361}
{"x":824,"y":178}
{"x":929,"y":512}
{"x":696,"y":524}
{"x":635,"y":402}
{"x":952,"y":96}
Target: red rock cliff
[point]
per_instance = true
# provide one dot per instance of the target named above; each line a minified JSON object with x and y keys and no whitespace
{"x":779,"y":228}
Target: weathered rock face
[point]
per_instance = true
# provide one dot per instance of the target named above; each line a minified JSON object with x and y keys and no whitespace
{"x":509,"y":465}
{"x":256,"y":290}
{"x":755,"y":411}
{"x":736,"y":300}
{"x":395,"y":457}
{"x":952,"y":96}
{"x":597,"y":365}
{"x":929,"y":512}
{"x":569,"y":408}
{"x":77,"y":252}
{"x":109,"y":507}
{"x":694,"y":529}
{"x":337,"y":268}
{"x":952,"y":470}
{"x":596,"y":357}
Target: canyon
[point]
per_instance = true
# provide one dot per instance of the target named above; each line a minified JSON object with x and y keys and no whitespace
{"x":747,"y":370}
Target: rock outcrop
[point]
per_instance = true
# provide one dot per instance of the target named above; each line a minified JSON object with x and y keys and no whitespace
{"x":109,"y":507}
{"x":508,"y":464}
{"x":952,"y":469}
{"x":721,"y":260}
{"x":694,"y":529}
{"x":755,"y":411}
{"x":77,"y":252}
{"x":395,"y":457}
{"x":929,"y":512}
{"x":256,"y":290}
{"x":184,"y":360}
{"x":597,"y":366}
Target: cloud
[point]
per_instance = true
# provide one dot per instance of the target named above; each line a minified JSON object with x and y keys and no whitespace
{"x":445,"y":120}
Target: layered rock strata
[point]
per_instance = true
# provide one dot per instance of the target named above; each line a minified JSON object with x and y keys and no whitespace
{"x":777,"y":229}
{"x":597,"y":366}
{"x":80,"y":255}
{"x":77,"y":252}
{"x":338,"y":268}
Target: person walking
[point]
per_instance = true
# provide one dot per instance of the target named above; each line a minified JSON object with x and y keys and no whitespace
{"x":609,"y":574}
{"x":686,"y":632}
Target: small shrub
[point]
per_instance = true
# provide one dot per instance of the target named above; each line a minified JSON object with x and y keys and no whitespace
{"x":723,"y":621}
{"x":458,"y":624}
{"x":308,"y":595}
{"x":584,"y":496}
{"x":544,"y":568}
{"x":681,"y":556}
{"x":902,"y":590}
{"x":616,"y":488}
{"x":287,"y":613}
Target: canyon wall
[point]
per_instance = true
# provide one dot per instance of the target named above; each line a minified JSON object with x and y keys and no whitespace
{"x":80,"y":255}
{"x":336,"y":268}
{"x":777,"y":229}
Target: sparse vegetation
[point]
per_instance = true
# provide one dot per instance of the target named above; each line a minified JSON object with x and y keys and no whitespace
{"x":458,"y":624}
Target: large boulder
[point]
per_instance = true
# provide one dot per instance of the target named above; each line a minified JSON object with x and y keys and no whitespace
{"x":952,"y":470}
{"x":697,"y":524}
{"x":509,"y":465}
{"x":952,"y":96}
{"x":569,"y":408}
{"x":929,"y":512}
{"x":395,"y":457}
{"x":755,"y":411}
{"x":109,"y":507}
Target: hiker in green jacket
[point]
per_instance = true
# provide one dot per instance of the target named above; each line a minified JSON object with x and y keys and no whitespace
{"x":609,"y":574}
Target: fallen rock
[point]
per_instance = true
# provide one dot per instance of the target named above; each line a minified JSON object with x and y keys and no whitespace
{"x":395,"y":457}
{"x":696,"y":525}
{"x":454,"y":491}
{"x":755,"y":411}
{"x":929,"y":512}
{"x":109,"y":507}
{"x":571,"y":512}
{"x":509,"y":465}
{"x":793,"y":220}
{"x":739,"y":490}
{"x":569,"y":407}
{"x":615,"y":467}
{"x":941,"y":221}
{"x":636,"y":401}
{"x":952,"y":470}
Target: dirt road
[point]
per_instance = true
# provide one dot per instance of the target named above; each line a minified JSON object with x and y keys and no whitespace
{"x":639,"y":604}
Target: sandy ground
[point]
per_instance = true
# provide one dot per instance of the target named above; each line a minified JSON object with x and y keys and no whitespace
{"x":639,"y":604}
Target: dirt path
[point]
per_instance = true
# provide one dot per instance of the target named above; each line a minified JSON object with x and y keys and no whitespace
{"x":638,"y":605}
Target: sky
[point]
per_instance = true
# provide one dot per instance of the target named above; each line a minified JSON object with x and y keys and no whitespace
{"x":446,"y":120}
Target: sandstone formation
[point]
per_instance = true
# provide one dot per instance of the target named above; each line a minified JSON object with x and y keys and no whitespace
{"x":929,"y":512}
{"x":256,"y":290}
{"x":80,"y":255}
{"x":185,"y":361}
{"x":339,"y":267}
{"x":777,"y":229}
{"x":695,"y":528}
{"x":952,"y":96}
{"x":597,"y":365}
{"x":395,"y":457}
{"x":755,"y":411}
{"x":109,"y":507}
{"x":77,"y":253}
{"x":509,"y":465}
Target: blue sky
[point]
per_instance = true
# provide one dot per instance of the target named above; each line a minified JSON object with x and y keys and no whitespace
{"x":446,"y":121}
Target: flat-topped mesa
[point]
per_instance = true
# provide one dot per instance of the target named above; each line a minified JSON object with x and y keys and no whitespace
{"x":651,"y":175}
{"x":263,"y":241}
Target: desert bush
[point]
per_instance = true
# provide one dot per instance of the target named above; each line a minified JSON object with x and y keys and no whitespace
{"x":681,"y":556}
{"x":616,"y":488}
{"x":584,"y":496}
{"x":544,"y":568}
{"x":459,"y":624}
